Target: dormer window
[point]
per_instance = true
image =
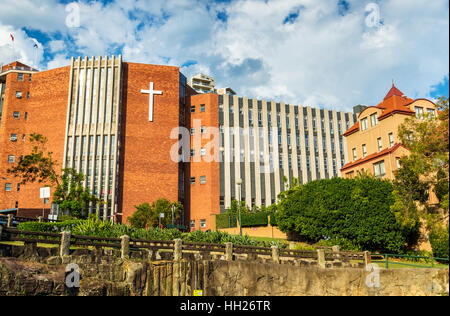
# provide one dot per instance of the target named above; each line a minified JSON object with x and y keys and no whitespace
{"x":419,"y":112}
{"x":374,"y":119}
{"x":364,"y":124}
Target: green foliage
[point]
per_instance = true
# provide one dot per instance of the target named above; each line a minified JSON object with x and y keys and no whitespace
{"x":255,"y":219}
{"x":226,"y":221}
{"x":427,"y":165}
{"x":356,"y":210}
{"x":439,"y":242}
{"x":38,"y":165}
{"x":71,"y":195}
{"x":49,"y":227}
{"x":343,"y":243}
{"x":149,"y":215}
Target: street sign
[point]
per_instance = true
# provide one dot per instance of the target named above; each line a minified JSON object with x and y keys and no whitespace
{"x":45,"y":193}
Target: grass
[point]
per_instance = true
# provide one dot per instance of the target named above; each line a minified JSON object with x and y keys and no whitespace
{"x":402,"y":264}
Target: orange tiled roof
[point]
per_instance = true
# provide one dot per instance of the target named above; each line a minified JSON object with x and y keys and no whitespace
{"x":352,"y":129}
{"x":372,"y":156}
{"x":394,"y":102}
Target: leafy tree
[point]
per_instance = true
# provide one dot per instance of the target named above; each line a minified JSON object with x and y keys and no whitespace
{"x":149,"y":215}
{"x":355,"y":210}
{"x":71,"y":195}
{"x":426,"y":168}
{"x":427,"y":165}
{"x":40,"y":166}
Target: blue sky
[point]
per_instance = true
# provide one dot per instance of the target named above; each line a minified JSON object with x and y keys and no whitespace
{"x":324,"y":53}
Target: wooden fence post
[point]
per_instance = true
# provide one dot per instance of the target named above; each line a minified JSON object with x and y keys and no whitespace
{"x":125,"y":247}
{"x":40,"y":219}
{"x":64,"y":249}
{"x":367,"y":258}
{"x":321,"y":258}
{"x":178,"y":250}
{"x":228,"y":251}
{"x":1,"y":232}
{"x":10,"y":220}
{"x":275,"y":254}
{"x":336,"y":249}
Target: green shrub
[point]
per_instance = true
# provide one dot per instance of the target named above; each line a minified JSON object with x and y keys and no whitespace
{"x":344,"y":244}
{"x":255,"y":219}
{"x":353,"y":213}
{"x":226,"y":221}
{"x":439,"y":242}
{"x":49,"y":227}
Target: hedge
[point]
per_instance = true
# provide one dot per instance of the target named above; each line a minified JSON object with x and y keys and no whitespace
{"x":255,"y":219}
{"x":226,"y":221}
{"x":49,"y":227}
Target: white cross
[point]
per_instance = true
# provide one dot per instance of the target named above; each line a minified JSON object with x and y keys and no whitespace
{"x":151,"y":93}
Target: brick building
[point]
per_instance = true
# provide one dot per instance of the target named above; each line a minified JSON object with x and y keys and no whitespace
{"x":373,"y":142}
{"x":139,"y":132}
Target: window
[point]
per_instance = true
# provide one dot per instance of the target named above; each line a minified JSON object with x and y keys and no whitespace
{"x":192,"y":180}
{"x":16,"y":115}
{"x":391,"y":139}
{"x":192,"y":131}
{"x":202,"y":108}
{"x":419,"y":111}
{"x":28,"y":95}
{"x":364,"y":124}
{"x":192,"y":152}
{"x":23,"y":137}
{"x":19,"y":77}
{"x":192,"y":223}
{"x":379,"y":169}
{"x":203,"y":223}
{"x":29,"y":78}
{"x":374,"y":119}
{"x":18,"y":187}
{"x":203,"y":129}
{"x":13,"y":137}
{"x":354,"y":154}
{"x":8,"y":187}
{"x":379,"y":143}
{"x":26,"y":115}
{"x":202,"y":151}
{"x":430,"y":113}
{"x":193,"y":109}
{"x":397,"y":160}
{"x":11,"y":158}
{"x":364,"y":150}
{"x":19,"y":94}
{"x":202,"y":179}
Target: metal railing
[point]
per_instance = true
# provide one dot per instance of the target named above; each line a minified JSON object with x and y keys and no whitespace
{"x":408,"y":261}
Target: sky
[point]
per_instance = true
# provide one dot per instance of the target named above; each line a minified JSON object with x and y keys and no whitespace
{"x":331,"y":54}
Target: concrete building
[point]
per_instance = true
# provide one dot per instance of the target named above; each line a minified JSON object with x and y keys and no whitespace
{"x":373,"y":144}
{"x":139,"y":132}
{"x":202,"y":83}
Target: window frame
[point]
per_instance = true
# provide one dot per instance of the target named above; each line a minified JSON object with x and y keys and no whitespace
{"x":377,"y":166}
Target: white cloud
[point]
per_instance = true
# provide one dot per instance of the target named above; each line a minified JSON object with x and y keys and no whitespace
{"x":319,"y":58}
{"x":22,"y":48}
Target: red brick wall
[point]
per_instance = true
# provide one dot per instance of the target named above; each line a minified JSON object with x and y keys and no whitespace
{"x":47,"y":109}
{"x":204,"y":198}
{"x":9,"y":126}
{"x":146,"y":169}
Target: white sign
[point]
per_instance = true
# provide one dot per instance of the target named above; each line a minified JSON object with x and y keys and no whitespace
{"x":45,"y":193}
{"x":161,"y":215}
{"x":151,"y":93}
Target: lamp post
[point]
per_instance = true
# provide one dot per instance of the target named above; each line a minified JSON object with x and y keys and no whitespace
{"x":239,"y":182}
